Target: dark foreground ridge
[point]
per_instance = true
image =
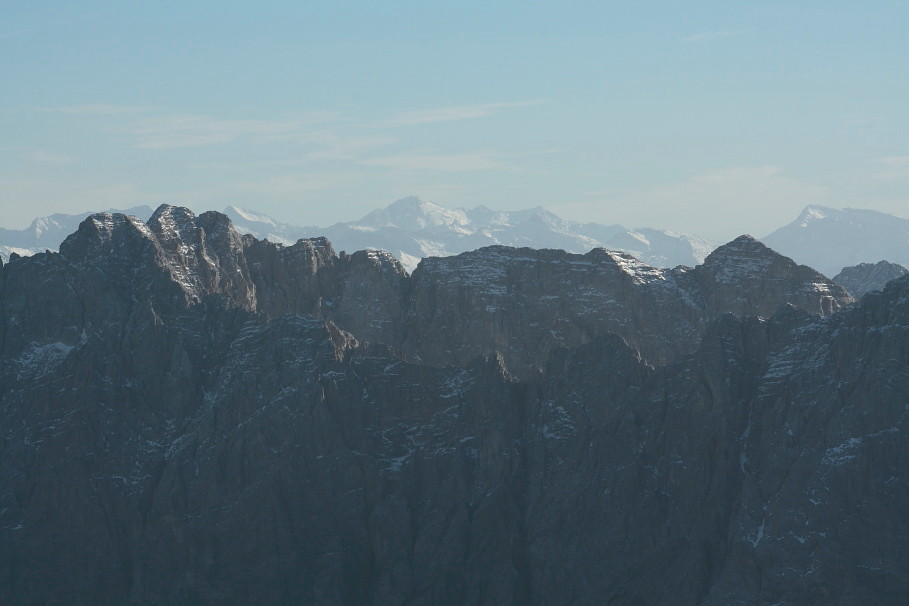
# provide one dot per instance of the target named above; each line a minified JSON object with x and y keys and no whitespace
{"x":193,"y":416}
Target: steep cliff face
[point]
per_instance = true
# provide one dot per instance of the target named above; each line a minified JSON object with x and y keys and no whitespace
{"x":764,"y":469}
{"x":183,"y":421}
{"x":524,"y":302}
{"x":865,"y":277}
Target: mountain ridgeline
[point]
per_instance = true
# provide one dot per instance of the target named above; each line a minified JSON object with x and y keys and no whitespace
{"x":412,"y":229}
{"x":191,"y":415}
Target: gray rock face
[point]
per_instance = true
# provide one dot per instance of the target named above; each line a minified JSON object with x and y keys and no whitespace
{"x":184,"y":422}
{"x":523,"y":302}
{"x":865,"y":277}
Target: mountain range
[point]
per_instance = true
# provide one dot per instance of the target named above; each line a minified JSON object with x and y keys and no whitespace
{"x":411,"y":229}
{"x":202,"y":416}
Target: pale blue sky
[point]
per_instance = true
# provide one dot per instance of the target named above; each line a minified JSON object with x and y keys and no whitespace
{"x":715,"y":118}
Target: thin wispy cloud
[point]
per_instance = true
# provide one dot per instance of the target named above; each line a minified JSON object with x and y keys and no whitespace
{"x":330,"y":146}
{"x":719,"y":35}
{"x":15,"y":33}
{"x":97,"y":109}
{"x":429,"y":162}
{"x":28,"y":30}
{"x":295,"y":186}
{"x":343,"y":147}
{"x":451,"y":113}
{"x":45,"y":157}
{"x":188,"y":130}
{"x":891,"y":168}
{"x":39,"y":155}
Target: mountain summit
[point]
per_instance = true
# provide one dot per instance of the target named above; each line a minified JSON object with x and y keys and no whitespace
{"x":749,"y":278}
{"x":46,"y":233}
{"x":413,"y":214}
{"x":829,"y":239}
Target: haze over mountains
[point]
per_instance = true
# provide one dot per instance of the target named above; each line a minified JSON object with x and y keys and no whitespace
{"x":411,"y":229}
{"x":206,"y":417}
{"x":829,"y":240}
{"x":826,"y":239}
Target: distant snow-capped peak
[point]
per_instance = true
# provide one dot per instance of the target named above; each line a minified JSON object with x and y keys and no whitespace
{"x":249,"y":215}
{"x":413,"y":214}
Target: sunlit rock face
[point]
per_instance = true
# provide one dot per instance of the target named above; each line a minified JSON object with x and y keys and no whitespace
{"x":192,"y":416}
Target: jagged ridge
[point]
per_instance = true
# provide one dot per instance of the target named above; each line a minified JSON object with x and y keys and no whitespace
{"x":216,"y":441}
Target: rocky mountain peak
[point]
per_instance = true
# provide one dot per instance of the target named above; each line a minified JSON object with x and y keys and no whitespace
{"x":168,"y":219}
{"x":110,"y":236}
{"x":380,"y":259}
{"x":204,"y":254}
{"x":743,"y":246}
{"x":866,"y":277}
{"x":744,"y":258}
{"x":747,"y":278}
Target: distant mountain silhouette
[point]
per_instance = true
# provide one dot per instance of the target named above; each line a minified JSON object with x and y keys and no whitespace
{"x":829,"y":240}
{"x":412,"y":228}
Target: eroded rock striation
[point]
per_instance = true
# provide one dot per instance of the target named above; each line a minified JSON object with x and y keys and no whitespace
{"x":190,"y":416}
